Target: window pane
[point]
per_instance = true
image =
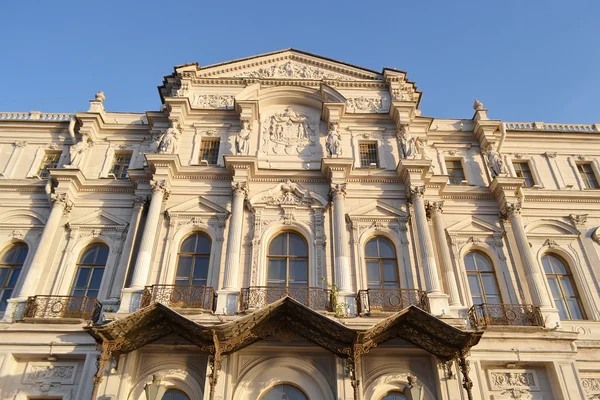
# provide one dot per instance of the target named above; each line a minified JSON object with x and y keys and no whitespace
{"x":371,"y":248}
{"x":574,"y":308}
{"x":201,"y":268}
{"x":298,"y":271}
{"x":567,"y":286}
{"x":88,"y":256}
{"x":78,"y":292}
{"x":82,"y":277}
{"x":96,"y":278}
{"x":92,"y":293}
{"x":470,"y":262}
{"x":184,"y":267}
{"x":553,"y":282}
{"x":386,"y":249}
{"x":547,"y":265}
{"x":489,"y":284}
{"x":477,"y":299}
{"x":203,"y":245}
{"x":474,"y":285}
{"x":562,"y":309}
{"x":277,"y":271}
{"x":188,"y":245}
{"x":21,"y":254}
{"x":102,"y":255}
{"x":13,"y":277}
{"x":493,"y":299}
{"x":373,"y":273}
{"x":297,"y":245}
{"x":483,"y":263}
{"x":277,"y":247}
{"x":390,"y":272}
{"x":5,"y":296}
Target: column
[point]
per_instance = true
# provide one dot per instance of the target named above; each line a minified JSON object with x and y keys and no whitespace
{"x":533,"y":271}
{"x":160,"y":191}
{"x":438,"y":302}
{"x":60,"y":205}
{"x":435,"y":210}
{"x":125,"y":259}
{"x":234,"y":237}
{"x":342,"y":261}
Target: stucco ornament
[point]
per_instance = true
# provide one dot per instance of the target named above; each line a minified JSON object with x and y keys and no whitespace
{"x":241,"y":139}
{"x":407,"y":143}
{"x":477,"y":105}
{"x":289,"y":133}
{"x":334,"y":141}
{"x":167,"y":143}
{"x":78,"y":150}
{"x":495,"y":163}
{"x":100,"y":96}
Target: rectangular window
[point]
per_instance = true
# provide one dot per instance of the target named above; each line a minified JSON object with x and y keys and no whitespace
{"x":523,"y":171}
{"x":368,"y":154}
{"x":121,"y":164}
{"x":50,"y":160}
{"x":588,"y":176}
{"x":209,"y":151}
{"x":456,"y":174}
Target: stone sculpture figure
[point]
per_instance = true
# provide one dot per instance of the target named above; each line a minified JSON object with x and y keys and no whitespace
{"x":407,"y":143}
{"x":241,"y":139}
{"x":168,"y":140}
{"x":495,"y":163}
{"x":77,"y":151}
{"x":334,"y":141}
{"x":422,"y":149}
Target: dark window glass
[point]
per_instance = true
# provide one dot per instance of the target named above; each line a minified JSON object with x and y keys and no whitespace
{"x":90,"y":269}
{"x":121,"y":164}
{"x":287,"y":392}
{"x":368,"y":154}
{"x":394,"y":396}
{"x":50,"y":160}
{"x":588,"y":176}
{"x":209,"y":151}
{"x":456,"y":174}
{"x":174,"y":394}
{"x":562,"y":286}
{"x":523,"y":171}
{"x":193,"y":257}
{"x":11,"y":264}
{"x":382,"y":266}
{"x":287,"y":260}
{"x":482,"y":279}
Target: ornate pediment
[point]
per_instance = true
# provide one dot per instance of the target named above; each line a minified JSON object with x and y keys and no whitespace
{"x":21,"y":219}
{"x":288,"y":194}
{"x":472,"y":226}
{"x":378,"y":210}
{"x":549,"y":228}
{"x":288,"y":64}
{"x":197,"y":206}
{"x":99,"y":219}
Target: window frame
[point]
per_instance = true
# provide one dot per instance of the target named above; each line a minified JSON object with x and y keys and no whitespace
{"x":581,"y":174}
{"x":462,"y":164}
{"x":79,"y":264}
{"x":573,"y":283}
{"x":216,"y":143}
{"x":377,"y":156}
{"x":478,"y":273}
{"x":381,"y":259}
{"x":43,"y":166}
{"x":116,"y":154}
{"x":11,"y":267}
{"x":176,"y":390}
{"x":521,"y":162}
{"x":287,"y":258}
{"x":193,"y":262}
{"x":395,"y":392}
{"x":267,"y":390}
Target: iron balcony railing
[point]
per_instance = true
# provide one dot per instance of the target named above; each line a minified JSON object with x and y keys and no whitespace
{"x":390,"y":300}
{"x":482,"y":315}
{"x":180,"y":296}
{"x":315,"y":298}
{"x":62,"y":307}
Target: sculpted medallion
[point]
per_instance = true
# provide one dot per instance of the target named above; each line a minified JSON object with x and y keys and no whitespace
{"x":288,"y":133}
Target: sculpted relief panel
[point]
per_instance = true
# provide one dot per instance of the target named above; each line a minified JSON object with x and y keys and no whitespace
{"x":289,"y":133}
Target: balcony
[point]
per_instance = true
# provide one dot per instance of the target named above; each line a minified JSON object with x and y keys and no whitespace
{"x":62,"y":309}
{"x":483,"y":315}
{"x":389,"y":300}
{"x":256,"y":297}
{"x":180,"y":296}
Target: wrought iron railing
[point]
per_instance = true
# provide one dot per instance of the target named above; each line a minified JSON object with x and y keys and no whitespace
{"x":260,"y":296}
{"x":49,"y":307}
{"x":180,"y":296}
{"x":389,"y":300}
{"x":482,"y":315}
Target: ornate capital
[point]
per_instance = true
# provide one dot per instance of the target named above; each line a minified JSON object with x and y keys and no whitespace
{"x":510,"y":210}
{"x":338,"y":189}
{"x":578,"y":220}
{"x":240,"y":188}
{"x":416,"y":192}
{"x":434,"y":207}
{"x":161,"y":186}
{"x":62,"y":200}
{"x":21,"y":144}
{"x":550,"y":155}
{"x":139,"y":201}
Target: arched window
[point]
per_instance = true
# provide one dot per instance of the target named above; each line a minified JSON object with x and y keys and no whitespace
{"x":287,"y":260}
{"x":482,"y":279}
{"x":382,"y":265}
{"x":564,"y":292}
{"x":287,"y":392}
{"x":174,"y":394}
{"x":192,"y":260}
{"x":394,"y":396}
{"x":11,"y":263}
{"x":90,"y":269}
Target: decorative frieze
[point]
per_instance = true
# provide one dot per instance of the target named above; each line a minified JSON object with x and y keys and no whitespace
{"x":365,"y":104}
{"x":213,"y":101}
{"x":289,"y":133}
{"x":591,"y":387}
{"x":293,"y":70}
{"x":47,"y":372}
{"x":514,"y":383}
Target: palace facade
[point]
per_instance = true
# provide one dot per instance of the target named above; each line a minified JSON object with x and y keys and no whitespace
{"x":288,"y":226}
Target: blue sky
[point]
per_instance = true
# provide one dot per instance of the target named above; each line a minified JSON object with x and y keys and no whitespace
{"x":526,"y":60}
